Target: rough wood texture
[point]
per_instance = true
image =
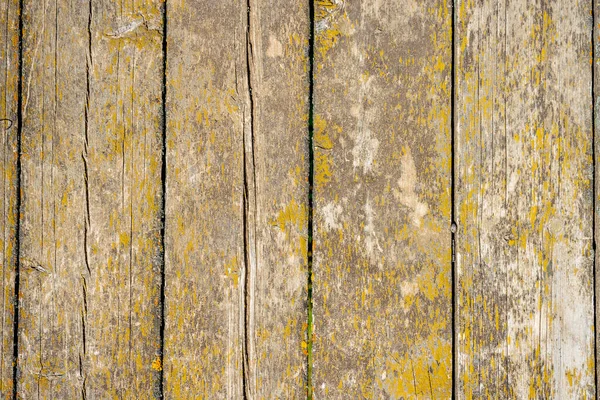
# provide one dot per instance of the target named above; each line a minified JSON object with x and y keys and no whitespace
{"x":90,"y":271}
{"x":279,"y":154}
{"x":9,"y":78}
{"x":236,"y":244}
{"x":204,"y":243}
{"x":524,"y":199}
{"x":596,"y":141}
{"x":382,"y":269}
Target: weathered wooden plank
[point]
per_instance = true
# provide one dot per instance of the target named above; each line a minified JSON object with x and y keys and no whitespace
{"x":124,"y":193}
{"x":90,"y":271}
{"x":9,"y":104}
{"x":52,"y":263}
{"x":236,"y":214}
{"x":204,"y":240}
{"x":382,"y":264}
{"x":596,"y":141}
{"x":277,"y":312}
{"x":524,"y":199}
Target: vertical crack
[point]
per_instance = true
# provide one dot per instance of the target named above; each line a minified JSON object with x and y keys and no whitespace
{"x":87,"y":222}
{"x":248,"y":282}
{"x":163,"y":178}
{"x":18,"y":206}
{"x":311,"y":185}
{"x":454,"y":226}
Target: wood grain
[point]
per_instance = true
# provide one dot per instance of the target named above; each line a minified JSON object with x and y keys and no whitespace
{"x":382,"y":263}
{"x":236,"y":241}
{"x":204,"y":244}
{"x":9,"y":125}
{"x":596,"y":142}
{"x":90,"y":271}
{"x":524,"y":200}
{"x":277,"y":309}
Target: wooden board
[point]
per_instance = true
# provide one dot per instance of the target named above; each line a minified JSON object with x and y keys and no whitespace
{"x":9,"y":130}
{"x":236,"y":242}
{"x":90,"y":265}
{"x":204,"y":239}
{"x":524,"y":199}
{"x":277,"y":309}
{"x":596,"y":142}
{"x":382,"y":137}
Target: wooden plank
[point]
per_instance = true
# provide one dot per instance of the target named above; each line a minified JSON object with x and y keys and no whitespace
{"x":382,"y":263}
{"x":236,"y":214}
{"x":277,"y":312}
{"x":90,"y":265}
{"x":9,"y":124}
{"x":596,"y":142}
{"x":204,"y":240}
{"x":524,"y":199}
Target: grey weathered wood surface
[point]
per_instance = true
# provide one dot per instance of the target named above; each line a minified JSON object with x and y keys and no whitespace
{"x":278,"y":164}
{"x":224,"y":310}
{"x":91,"y":186}
{"x":382,"y":266}
{"x":524,"y":200}
{"x":204,"y":254}
{"x":9,"y":105}
{"x":236,"y":217}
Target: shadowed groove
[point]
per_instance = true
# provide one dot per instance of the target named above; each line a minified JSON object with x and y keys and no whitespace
{"x":18,"y":205}
{"x":163,"y":177}
{"x":311,"y":186}
{"x":453,"y":225}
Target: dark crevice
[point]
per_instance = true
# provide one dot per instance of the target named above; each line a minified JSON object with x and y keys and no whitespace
{"x":163,"y":177}
{"x":18,"y":206}
{"x":247,"y":264}
{"x":87,"y":222}
{"x":311,"y":187}
{"x":453,"y":224}
{"x":246,"y":276}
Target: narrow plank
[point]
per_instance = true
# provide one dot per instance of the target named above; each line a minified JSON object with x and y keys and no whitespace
{"x":237,"y":192}
{"x":277,"y":312}
{"x":124,"y":197}
{"x":90,"y":265}
{"x":382,"y":263}
{"x":51,"y":243}
{"x":9,"y":103}
{"x":204,"y":238}
{"x":596,"y":141}
{"x":524,"y":199}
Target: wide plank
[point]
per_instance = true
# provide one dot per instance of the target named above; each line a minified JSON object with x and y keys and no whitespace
{"x":524,"y":195}
{"x":236,"y":201}
{"x":90,"y":270}
{"x":382,"y":152}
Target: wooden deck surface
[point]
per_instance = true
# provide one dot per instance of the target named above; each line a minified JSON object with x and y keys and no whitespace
{"x":324,"y":199}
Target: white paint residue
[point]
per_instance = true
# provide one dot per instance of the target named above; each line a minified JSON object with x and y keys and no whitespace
{"x":275,"y":48}
{"x":512,"y":182}
{"x":371,"y":240}
{"x":409,"y":288}
{"x":365,"y":150}
{"x":572,"y":331}
{"x":331,"y":214}
{"x":407,"y":184}
{"x":125,"y":29}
